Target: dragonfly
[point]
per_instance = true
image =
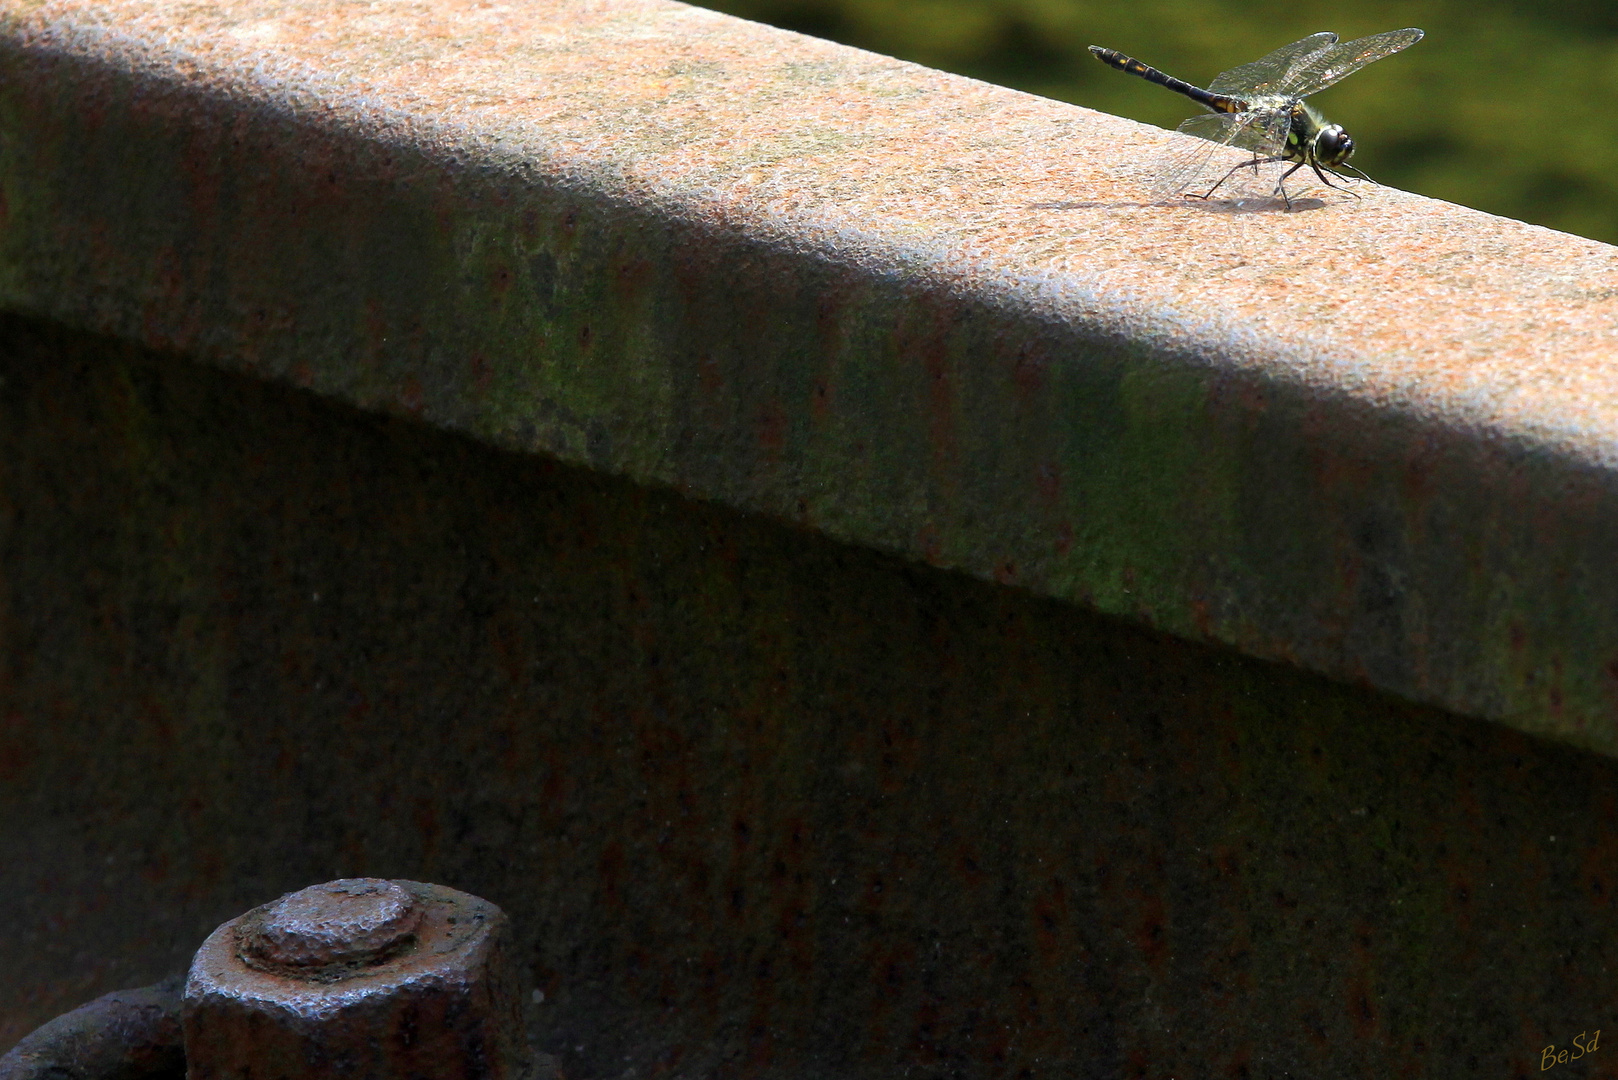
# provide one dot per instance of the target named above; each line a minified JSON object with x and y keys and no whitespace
{"x":1260,"y":107}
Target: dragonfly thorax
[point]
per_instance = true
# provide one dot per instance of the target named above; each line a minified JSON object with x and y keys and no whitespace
{"x":1311,"y":139}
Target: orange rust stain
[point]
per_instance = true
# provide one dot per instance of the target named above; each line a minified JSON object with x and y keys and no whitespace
{"x":610,"y":873}
{"x":969,"y":868}
{"x":632,"y":277}
{"x":1028,"y":372}
{"x":1048,"y":482}
{"x":1064,"y":537}
{"x":425,"y":816}
{"x":1599,"y":869}
{"x":1361,"y":1006}
{"x":1050,"y":917}
{"x":1359,"y":1000}
{"x":1150,"y":930}
{"x":157,"y":868}
{"x":1555,"y":692}
{"x":820,"y":402}
{"x":482,"y":372}
{"x":1202,"y":616}
{"x":376,"y":332}
{"x":411,"y":395}
{"x":772,"y":429}
{"x":930,"y":543}
{"x":203,"y":164}
{"x":709,"y":377}
{"x":14,"y":755}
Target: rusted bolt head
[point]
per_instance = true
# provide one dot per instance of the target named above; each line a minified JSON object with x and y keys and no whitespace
{"x":325,"y":931}
{"x":360,"y":978}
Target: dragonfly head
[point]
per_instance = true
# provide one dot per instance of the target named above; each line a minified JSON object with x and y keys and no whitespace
{"x":1333,"y":146}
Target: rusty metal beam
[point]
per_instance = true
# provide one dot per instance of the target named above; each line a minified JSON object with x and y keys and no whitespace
{"x":912,"y":311}
{"x":758,"y":804}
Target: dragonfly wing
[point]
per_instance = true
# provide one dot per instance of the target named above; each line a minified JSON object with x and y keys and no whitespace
{"x":1340,"y":61}
{"x":1200,"y":163}
{"x":1263,"y":131}
{"x":1268,"y":74}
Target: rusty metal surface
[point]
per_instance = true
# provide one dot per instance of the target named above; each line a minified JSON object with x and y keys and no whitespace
{"x":758,"y":804}
{"x":357,"y":978}
{"x":907,"y":310}
{"x":124,"y":1035}
{"x":323,"y":932}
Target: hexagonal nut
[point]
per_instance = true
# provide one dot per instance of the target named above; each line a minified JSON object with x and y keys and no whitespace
{"x":363,"y":979}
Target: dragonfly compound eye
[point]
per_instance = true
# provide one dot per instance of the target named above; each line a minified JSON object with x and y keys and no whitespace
{"x":1333,"y":146}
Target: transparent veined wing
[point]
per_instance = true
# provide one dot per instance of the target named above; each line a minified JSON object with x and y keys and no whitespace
{"x":1201,"y":162}
{"x":1263,"y":131}
{"x":1267,"y":74}
{"x":1339,"y":61}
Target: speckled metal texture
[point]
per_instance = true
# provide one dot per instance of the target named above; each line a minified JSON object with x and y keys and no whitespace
{"x":124,"y":1035}
{"x":323,"y":932}
{"x":758,"y":805}
{"x":910,"y":311}
{"x":359,"y":979}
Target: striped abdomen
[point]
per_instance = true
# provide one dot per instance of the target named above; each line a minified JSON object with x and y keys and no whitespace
{"x":1216,"y":102}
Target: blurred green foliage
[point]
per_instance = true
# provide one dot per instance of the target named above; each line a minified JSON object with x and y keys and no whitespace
{"x":1505,"y":106}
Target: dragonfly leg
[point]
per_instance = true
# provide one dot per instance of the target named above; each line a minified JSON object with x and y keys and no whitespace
{"x":1315,"y":165}
{"x":1254,"y":164}
{"x":1356,"y":172}
{"x":1281,"y":184}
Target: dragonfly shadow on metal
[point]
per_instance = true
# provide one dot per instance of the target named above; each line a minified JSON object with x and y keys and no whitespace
{"x":1263,"y":204}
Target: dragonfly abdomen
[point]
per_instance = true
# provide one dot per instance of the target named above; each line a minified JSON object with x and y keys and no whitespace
{"x":1216,"y":102}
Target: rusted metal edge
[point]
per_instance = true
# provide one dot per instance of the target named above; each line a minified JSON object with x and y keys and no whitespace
{"x":909,"y":310}
{"x":125,"y":1035}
